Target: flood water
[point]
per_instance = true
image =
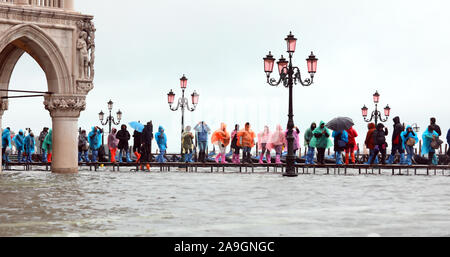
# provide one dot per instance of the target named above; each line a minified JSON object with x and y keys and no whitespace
{"x":106,"y":203}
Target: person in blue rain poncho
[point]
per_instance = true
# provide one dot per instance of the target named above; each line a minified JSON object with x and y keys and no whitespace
{"x":202,"y":131}
{"x":95,"y":142}
{"x":29,"y":147}
{"x":340,"y":143}
{"x":161,"y":140}
{"x":427,"y":137}
{"x":409,"y":140}
{"x":6,"y":143}
{"x":19,"y":141}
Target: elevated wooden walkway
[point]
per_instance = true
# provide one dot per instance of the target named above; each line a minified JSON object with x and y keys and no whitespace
{"x":211,"y":167}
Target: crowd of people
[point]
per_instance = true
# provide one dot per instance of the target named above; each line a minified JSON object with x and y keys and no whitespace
{"x":317,"y":139}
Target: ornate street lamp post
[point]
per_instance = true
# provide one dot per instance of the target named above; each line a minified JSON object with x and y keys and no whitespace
{"x":290,"y":75}
{"x":183,"y":102}
{"x":110,"y":119}
{"x":376,"y":114}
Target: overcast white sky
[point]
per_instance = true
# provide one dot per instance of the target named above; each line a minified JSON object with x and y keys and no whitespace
{"x":400,"y":48}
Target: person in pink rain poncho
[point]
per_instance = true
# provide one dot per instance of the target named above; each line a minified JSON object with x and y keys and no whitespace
{"x":263,"y":140}
{"x":277,"y":141}
{"x":295,"y":133}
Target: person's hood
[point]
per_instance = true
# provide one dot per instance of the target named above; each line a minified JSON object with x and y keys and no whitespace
{"x":396,"y":120}
{"x":408,"y":127}
{"x":123,"y":127}
{"x":21,"y":131}
{"x":266,"y":130}
{"x":161,"y":129}
{"x":223,"y":126}
{"x":380,"y":126}
{"x":321,"y":122}
{"x":371,"y":125}
{"x":93,"y":129}
{"x":187,"y":129}
{"x":314,"y":123}
{"x":247,"y":127}
{"x":114,"y":130}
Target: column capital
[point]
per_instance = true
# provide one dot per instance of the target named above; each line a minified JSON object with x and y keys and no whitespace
{"x":4,"y":104}
{"x":65,"y":105}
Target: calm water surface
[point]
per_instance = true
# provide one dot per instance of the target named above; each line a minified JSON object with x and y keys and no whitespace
{"x":123,"y":203}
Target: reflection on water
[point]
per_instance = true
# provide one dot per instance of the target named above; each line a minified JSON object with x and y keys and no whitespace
{"x":108,"y":203}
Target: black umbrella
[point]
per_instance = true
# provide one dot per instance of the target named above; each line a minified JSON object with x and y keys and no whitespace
{"x":340,"y":123}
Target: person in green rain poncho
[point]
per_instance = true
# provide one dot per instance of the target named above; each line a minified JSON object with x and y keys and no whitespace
{"x":47,"y":148}
{"x":321,"y":141}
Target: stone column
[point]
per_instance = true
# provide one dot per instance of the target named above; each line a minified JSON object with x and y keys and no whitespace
{"x":65,"y":110}
{"x":3,"y":108}
{"x":68,"y":5}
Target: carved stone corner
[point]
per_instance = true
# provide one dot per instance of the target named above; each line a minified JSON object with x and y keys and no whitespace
{"x":84,"y":86}
{"x":4,"y":105}
{"x":65,"y":106}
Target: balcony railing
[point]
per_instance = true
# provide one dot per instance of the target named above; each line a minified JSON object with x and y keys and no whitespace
{"x":62,"y":4}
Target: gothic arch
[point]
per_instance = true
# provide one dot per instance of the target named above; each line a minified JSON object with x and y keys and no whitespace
{"x":33,"y":40}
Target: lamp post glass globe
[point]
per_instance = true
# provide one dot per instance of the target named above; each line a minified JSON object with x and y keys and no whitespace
{"x":119,"y":115}
{"x":183,"y":82}
{"x":387,"y":111}
{"x":312,"y":64}
{"x":268,"y":63}
{"x":195,"y":97}
{"x":101,"y":116}
{"x":110,"y":105}
{"x":364,"y":111}
{"x":376,"y":97}
{"x":171,"y":97}
{"x":291,"y":43}
{"x":282,"y":63}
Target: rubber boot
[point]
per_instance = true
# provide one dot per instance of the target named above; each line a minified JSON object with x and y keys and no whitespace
{"x":237,"y":161}
{"x":261,"y":158}
{"x":49,"y":158}
{"x":190,"y":158}
{"x":120,"y":157}
{"x":402,"y":159}
{"x":128,"y":157}
{"x":346,"y":158}
{"x":277,"y":159}
{"x":138,"y":156}
{"x":435,"y":160}
{"x":391,"y":159}
{"x":147,"y":166}
{"x":19,"y":157}
{"x":338,"y":158}
{"x":353,"y":157}
{"x":268,"y":158}
{"x":218,"y":157}
{"x":224,"y":159}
